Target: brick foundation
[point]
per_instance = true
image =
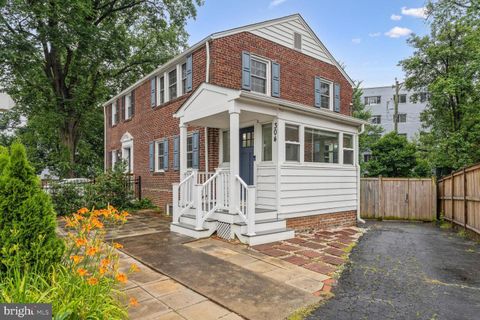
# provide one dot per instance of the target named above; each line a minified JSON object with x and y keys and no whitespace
{"x":324,"y":221}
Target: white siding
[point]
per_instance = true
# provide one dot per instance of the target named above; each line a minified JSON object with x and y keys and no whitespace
{"x":266,"y":186}
{"x":282,"y":33}
{"x":306,"y":190}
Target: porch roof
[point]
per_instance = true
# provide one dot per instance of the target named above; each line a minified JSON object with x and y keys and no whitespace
{"x":209,"y":99}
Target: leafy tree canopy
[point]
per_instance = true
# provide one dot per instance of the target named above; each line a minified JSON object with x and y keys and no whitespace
{"x":60,"y":59}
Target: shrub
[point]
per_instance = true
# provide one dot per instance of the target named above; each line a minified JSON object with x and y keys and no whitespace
{"x":27,"y":218}
{"x":66,"y":198}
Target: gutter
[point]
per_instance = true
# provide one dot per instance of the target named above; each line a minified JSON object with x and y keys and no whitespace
{"x":362,"y":130}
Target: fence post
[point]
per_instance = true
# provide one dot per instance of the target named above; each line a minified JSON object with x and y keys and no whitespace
{"x":436,"y":198}
{"x":139,"y":187}
{"x":452,"y":185}
{"x":465,"y":205}
{"x":380,"y":196}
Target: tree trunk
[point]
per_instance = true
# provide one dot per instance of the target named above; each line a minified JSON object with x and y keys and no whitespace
{"x":69,"y":138}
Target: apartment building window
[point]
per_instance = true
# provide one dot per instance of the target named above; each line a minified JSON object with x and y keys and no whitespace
{"x":184,"y":78}
{"x":320,"y":146}
{"x":114,"y":113}
{"x":267,"y":142}
{"x":128,"y":106}
{"x":347,"y":149}
{"x":376,"y":119}
{"x":160,"y":156}
{"x":292,"y":142}
{"x":401,"y":117}
{"x":162,"y":90}
{"x":259,"y":75}
{"x":325,"y":94}
{"x":172,"y":84}
{"x":372,"y":100}
{"x":297,"y":41}
{"x":424,"y":97}
{"x":402,"y":98}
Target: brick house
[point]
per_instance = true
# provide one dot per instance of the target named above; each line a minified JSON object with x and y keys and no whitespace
{"x":248,"y":133}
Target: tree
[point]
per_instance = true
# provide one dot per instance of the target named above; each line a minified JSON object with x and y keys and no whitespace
{"x":27,"y":218}
{"x":372,"y":131}
{"x":446,"y":63}
{"x":392,"y":156}
{"x":61,"y":59}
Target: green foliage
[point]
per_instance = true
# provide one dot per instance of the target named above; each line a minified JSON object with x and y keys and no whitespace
{"x":392,"y":156}
{"x":61,"y":59}
{"x":446,"y":63}
{"x":68,"y":197}
{"x":27,"y":218}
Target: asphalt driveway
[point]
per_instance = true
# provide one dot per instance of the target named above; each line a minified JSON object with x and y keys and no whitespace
{"x":408,"y":271}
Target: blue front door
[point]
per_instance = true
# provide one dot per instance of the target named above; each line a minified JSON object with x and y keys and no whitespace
{"x":246,"y":155}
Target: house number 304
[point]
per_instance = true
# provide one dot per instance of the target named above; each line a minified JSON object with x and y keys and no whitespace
{"x":275,"y":127}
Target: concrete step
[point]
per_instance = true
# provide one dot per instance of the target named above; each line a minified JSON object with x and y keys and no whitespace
{"x":262,"y":237}
{"x":189,"y":218}
{"x":189,"y":230}
{"x":263,"y":225}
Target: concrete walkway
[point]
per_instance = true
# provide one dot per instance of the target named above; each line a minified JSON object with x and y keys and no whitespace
{"x":408,"y":271}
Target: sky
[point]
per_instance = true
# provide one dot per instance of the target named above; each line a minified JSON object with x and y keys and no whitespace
{"x":369,"y":37}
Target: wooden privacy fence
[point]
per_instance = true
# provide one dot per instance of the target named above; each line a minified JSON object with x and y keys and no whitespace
{"x":459,"y":197}
{"x":398,"y":198}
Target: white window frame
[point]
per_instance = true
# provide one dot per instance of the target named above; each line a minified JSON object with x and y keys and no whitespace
{"x":368,"y":100}
{"x":114,"y":112}
{"x":374,"y":117}
{"x":221,"y":157}
{"x":348,"y":149}
{"x":261,"y":142}
{"x":127,"y":143}
{"x":268,"y":75}
{"x":190,"y":136}
{"x":157,"y":163}
{"x":330,"y":93}
{"x":183,"y":89}
{"x":162,"y":96}
{"x":128,"y":105}
{"x":339,"y":146}
{"x":168,"y":85}
{"x":398,"y":117}
{"x":299,"y":143}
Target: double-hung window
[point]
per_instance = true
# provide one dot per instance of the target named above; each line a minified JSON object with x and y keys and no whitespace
{"x":292,"y":142}
{"x":114,"y":113}
{"x":160,"y":156}
{"x":259,"y":75}
{"x":172,"y":84}
{"x":184,"y":78}
{"x":190,"y":152}
{"x":376,"y":119}
{"x":320,"y":146}
{"x":402,"y":117}
{"x":347,"y":149}
{"x":128,"y":106}
{"x":162,"y":90}
{"x":402,"y":98}
{"x":127,"y":157}
{"x":372,"y":100}
{"x":325,"y":94}
{"x":267,"y":142}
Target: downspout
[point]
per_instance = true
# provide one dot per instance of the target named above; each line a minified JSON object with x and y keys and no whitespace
{"x":362,"y":130}
{"x":207,"y":79}
{"x":105,"y":121}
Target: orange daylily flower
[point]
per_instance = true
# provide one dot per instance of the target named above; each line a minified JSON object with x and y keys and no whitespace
{"x":92,"y":281}
{"x":76,"y":259}
{"x":80,"y":242}
{"x":97,"y":224}
{"x":102,"y":270}
{"x":91,"y":251}
{"x":134,"y":268}
{"x":133,"y":302}
{"x":82,"y":272}
{"x":121,"y":277}
{"x":105,"y":262}
{"x":117,"y":245}
{"x":77,"y":217}
{"x":69,"y":223}
{"x":82,"y":211}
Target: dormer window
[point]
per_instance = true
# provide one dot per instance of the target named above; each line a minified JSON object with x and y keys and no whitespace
{"x":297,"y":41}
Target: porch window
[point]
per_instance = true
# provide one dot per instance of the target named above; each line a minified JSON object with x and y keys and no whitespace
{"x":160,"y":156}
{"x":162,"y":90}
{"x":189,"y":152}
{"x":320,"y":146}
{"x":259,"y":75}
{"x":325,"y":94}
{"x":347,"y":149}
{"x":226,"y":146}
{"x":267,"y":142}
{"x":292,"y":143}
{"x":184,"y":78}
{"x":172,"y":84}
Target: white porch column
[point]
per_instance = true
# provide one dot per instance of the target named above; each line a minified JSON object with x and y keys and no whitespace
{"x":183,"y":150}
{"x":234,"y":159}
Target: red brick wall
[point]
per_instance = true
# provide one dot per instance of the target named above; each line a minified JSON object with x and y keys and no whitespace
{"x":324,"y":221}
{"x":297,"y":70}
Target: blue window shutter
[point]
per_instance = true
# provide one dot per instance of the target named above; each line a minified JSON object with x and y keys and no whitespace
{"x":317,"y":92}
{"x":151,"y":151}
{"x":195,"y":147}
{"x":153,"y":92}
{"x":336,"y":97}
{"x":165,"y":154}
{"x":246,"y":70}
{"x":275,"y":79}
{"x":189,"y":68}
{"x":176,"y":152}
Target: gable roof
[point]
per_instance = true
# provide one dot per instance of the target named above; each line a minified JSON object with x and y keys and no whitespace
{"x":254,"y":28}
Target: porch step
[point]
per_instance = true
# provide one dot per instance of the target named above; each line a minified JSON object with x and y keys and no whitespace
{"x":189,"y":218}
{"x":268,"y":236}
{"x":263,"y":225}
{"x":189,"y":230}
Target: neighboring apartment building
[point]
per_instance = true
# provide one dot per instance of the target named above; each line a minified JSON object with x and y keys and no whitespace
{"x":379,"y":100}
{"x":251,"y":126}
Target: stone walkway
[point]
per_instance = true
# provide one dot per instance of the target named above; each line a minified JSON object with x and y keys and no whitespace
{"x":161,"y":298}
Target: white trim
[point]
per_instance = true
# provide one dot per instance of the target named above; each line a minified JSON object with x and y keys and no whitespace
{"x":155,"y":154}
{"x":114,"y":107}
{"x":268,"y":74}
{"x":128,"y":101}
{"x":330,"y":93}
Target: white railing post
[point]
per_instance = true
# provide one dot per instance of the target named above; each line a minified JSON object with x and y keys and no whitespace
{"x":250,"y":211}
{"x":219,"y":188}
{"x":195,"y":176}
{"x":197,"y":194}
{"x":176,"y":209}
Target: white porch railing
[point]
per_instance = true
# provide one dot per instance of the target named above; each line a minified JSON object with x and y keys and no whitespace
{"x":246,"y":204}
{"x":183,"y":195}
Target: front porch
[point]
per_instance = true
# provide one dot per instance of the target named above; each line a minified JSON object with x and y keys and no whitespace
{"x":268,"y":170}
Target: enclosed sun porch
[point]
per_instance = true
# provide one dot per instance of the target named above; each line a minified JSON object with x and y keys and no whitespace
{"x":277,"y":160}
